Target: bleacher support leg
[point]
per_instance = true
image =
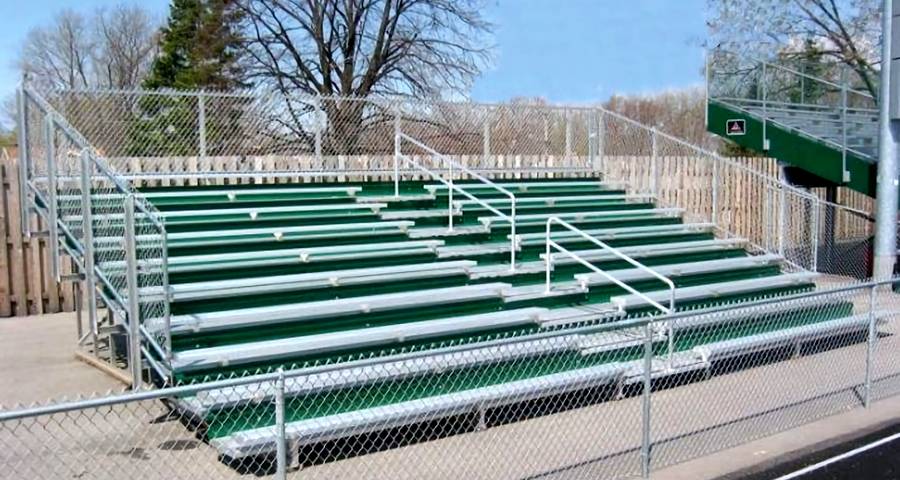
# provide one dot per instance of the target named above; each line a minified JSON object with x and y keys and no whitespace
{"x":134,"y":309}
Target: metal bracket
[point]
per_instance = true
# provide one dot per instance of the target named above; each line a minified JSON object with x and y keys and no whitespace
{"x":109,"y":329}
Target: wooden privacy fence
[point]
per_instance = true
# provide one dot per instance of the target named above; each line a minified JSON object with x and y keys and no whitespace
{"x":26,"y":286}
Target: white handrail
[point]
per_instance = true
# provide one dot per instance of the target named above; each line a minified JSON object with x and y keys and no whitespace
{"x":548,"y":261}
{"x":511,"y":218}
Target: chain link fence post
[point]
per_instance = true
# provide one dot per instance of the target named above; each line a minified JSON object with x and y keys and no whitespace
{"x":281,"y":447}
{"x":814,"y":241}
{"x":645,"y":400}
{"x":870,"y":346}
{"x":782,"y":218}
{"x":601,"y":133}
{"x":654,"y":164}
{"x":319,"y":126}
{"x":714,"y":217}
{"x":397,"y":152}
{"x":201,"y":124}
{"x":487,"y":136}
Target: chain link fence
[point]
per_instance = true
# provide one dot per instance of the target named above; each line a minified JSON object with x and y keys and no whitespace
{"x":177,"y":138}
{"x":601,"y":400}
{"x":597,"y":401}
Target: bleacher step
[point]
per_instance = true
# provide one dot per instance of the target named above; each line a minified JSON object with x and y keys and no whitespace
{"x":263,"y":440}
{"x":308,"y":311}
{"x":305,"y":281}
{"x":333,"y":342}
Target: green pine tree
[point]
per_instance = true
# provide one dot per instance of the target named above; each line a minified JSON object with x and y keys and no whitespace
{"x":199,"y":50}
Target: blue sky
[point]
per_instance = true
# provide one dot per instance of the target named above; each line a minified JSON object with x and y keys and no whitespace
{"x":563,"y":50}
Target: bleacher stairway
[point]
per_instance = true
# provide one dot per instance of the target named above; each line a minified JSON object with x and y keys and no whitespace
{"x":297,"y":276}
{"x":826,"y":130}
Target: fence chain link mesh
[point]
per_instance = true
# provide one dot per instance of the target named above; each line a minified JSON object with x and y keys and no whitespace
{"x":366,"y":416}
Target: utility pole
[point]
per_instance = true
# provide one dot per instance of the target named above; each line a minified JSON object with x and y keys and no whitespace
{"x":888,"y":137}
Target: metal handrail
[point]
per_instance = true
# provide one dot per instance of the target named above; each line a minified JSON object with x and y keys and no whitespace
{"x":511,"y":218}
{"x":795,"y":72}
{"x":806,"y":106}
{"x":548,"y":261}
{"x":831,"y":143}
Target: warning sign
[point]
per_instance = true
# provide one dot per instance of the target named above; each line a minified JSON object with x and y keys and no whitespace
{"x":735,"y":127}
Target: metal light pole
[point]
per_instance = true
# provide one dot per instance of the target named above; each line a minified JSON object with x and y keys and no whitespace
{"x":888,"y":136}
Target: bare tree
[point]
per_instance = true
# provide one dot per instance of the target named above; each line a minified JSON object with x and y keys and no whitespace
{"x":420,"y":48}
{"x":846,"y":32}
{"x":58,"y":55}
{"x":126,"y":43}
{"x":677,"y":112}
{"x":110,"y":48}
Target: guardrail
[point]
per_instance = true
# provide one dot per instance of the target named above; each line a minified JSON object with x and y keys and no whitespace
{"x":400,"y":137}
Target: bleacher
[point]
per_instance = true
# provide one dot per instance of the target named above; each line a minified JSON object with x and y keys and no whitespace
{"x":299,"y":276}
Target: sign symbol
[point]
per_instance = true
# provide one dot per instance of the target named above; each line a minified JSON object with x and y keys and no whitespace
{"x":735,"y":126}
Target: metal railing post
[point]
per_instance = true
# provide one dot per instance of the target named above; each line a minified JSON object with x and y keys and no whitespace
{"x":591,"y":136}
{"x":318,"y":131}
{"x":51,"y":198}
{"x":870,"y":346}
{"x":706,"y":60}
{"x":87,"y":222}
{"x":201,"y":123}
{"x":134,"y":313}
{"x":396,"y":153}
{"x":22,"y":139}
{"x":646,"y":401}
{"x":844,"y":173}
{"x":654,"y":164}
{"x":281,"y":440}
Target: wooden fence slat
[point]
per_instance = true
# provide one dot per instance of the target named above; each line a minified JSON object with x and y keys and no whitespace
{"x":18,"y":258}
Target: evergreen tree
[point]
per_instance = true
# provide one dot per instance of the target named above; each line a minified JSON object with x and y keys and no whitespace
{"x":199,"y":47}
{"x":199,"y":50}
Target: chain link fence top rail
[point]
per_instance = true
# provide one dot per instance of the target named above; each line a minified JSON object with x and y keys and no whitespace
{"x":389,"y":425}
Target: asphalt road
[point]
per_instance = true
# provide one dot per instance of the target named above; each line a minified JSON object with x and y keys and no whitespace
{"x":881,"y":462}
